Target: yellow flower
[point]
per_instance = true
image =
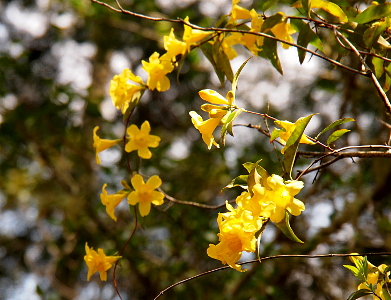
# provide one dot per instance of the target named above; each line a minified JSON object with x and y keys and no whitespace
{"x":122,"y":92}
{"x":111,"y":201}
{"x":237,"y":234}
{"x":256,"y":203}
{"x":217,"y":111}
{"x":287,"y":131}
{"x":98,"y":262}
{"x":206,"y":128}
{"x":102,"y":144}
{"x":238,"y":12}
{"x":145,"y":193}
{"x":157,"y":70}
{"x":140,"y":140}
{"x":192,"y":36}
{"x":173,"y":46}
{"x":283,"y":31}
{"x":282,"y":195}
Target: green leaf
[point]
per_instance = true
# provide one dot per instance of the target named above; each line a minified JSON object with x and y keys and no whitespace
{"x":307,"y":6}
{"x":206,"y":49}
{"x":236,"y":77}
{"x":222,"y":61}
{"x":271,"y":21}
{"x":373,"y":33}
{"x":315,"y":41}
{"x":331,"y":8}
{"x":302,"y":40}
{"x":293,"y":143}
{"x":353,"y":269}
{"x":378,"y":64}
{"x":249,"y":166}
{"x":373,"y":12}
{"x":241,"y":181}
{"x":387,"y":83}
{"x":267,"y":4}
{"x":133,"y":103}
{"x":286,"y":229}
{"x":270,"y":50}
{"x":334,"y":124}
{"x":359,"y":294}
{"x":275,"y":133}
{"x":386,"y":294}
{"x":336,"y":135}
{"x":227,"y":127}
{"x":253,"y":179}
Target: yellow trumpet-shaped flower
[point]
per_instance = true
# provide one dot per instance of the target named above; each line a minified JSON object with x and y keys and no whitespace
{"x":173,"y":46}
{"x":111,"y":201}
{"x":283,"y":31}
{"x":238,"y":12}
{"x":141,"y":140}
{"x":122,"y":92}
{"x":192,"y":36}
{"x":157,"y":70}
{"x":144,"y":193}
{"x":98,"y":262}
{"x":206,"y":127}
{"x":287,"y":131}
{"x":102,"y":144}
{"x":217,"y":111}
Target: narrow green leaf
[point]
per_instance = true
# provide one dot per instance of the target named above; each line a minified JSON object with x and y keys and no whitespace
{"x":241,"y":181}
{"x":227,"y":127}
{"x":373,"y":12}
{"x":359,"y":294}
{"x":286,"y":229}
{"x":133,"y":103}
{"x":331,"y":8}
{"x":315,"y":41}
{"x":222,"y":61}
{"x":302,"y":40}
{"x":237,"y":74}
{"x":378,"y":65}
{"x":387,"y":83}
{"x":206,"y":49}
{"x":253,"y":179}
{"x":334,"y":124}
{"x":264,"y":175}
{"x":293,"y":143}
{"x":353,"y":269}
{"x":270,"y":50}
{"x":307,"y":6}
{"x":336,"y":135}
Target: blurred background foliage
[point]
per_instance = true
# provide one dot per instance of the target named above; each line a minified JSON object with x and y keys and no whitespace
{"x":56,"y":60}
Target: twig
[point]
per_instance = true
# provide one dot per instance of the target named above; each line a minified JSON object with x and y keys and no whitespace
{"x":268,"y":258}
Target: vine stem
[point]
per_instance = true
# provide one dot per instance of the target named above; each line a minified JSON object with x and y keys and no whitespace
{"x":268,"y":258}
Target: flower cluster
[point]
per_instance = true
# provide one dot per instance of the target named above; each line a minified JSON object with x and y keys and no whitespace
{"x":239,"y":226}
{"x":373,"y":279}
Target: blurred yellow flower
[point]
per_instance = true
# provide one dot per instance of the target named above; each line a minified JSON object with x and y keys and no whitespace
{"x":102,"y":144}
{"x":111,"y":201}
{"x":238,"y":12}
{"x":141,"y":140}
{"x":98,"y":262}
{"x":144,"y":193}
{"x":173,"y":46}
{"x":157,"y":70}
{"x":192,"y":36}
{"x":283,"y":31}
{"x":122,"y":92}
